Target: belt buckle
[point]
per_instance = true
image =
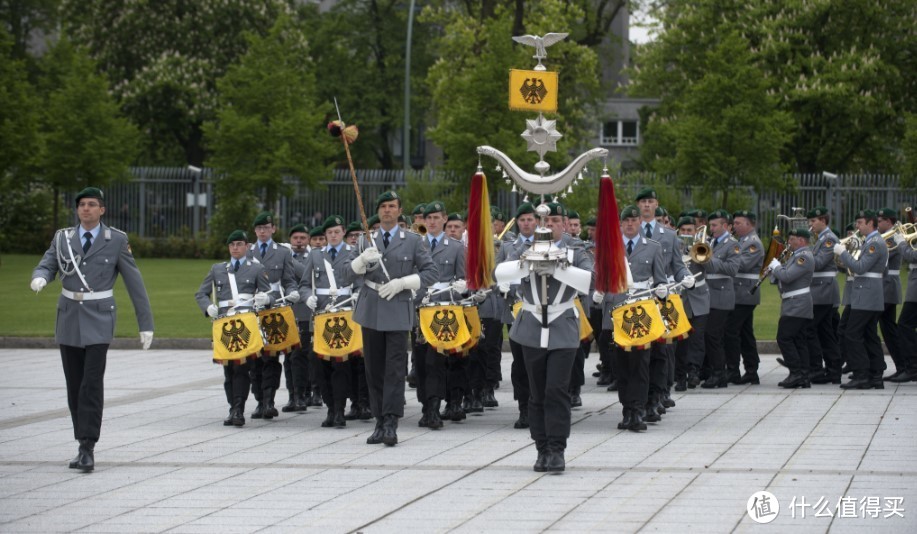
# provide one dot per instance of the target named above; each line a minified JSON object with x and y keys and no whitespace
{"x":78,"y":296}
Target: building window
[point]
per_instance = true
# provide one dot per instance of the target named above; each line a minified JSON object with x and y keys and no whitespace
{"x":621,"y":133}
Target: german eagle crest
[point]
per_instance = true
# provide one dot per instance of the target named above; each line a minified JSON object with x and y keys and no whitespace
{"x":444,"y":325}
{"x":235,"y":336}
{"x":636,"y":322}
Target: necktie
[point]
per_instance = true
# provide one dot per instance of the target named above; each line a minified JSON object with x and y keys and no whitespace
{"x":263,"y":249}
{"x":716,"y":242}
{"x":235,"y":266}
{"x":649,"y":230}
{"x":433,"y":245}
{"x":88,"y":237}
{"x":385,"y":238}
{"x":630,"y":246}
{"x":334,"y":252}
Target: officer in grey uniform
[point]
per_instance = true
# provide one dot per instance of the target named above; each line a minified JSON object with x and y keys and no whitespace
{"x":740,"y":335}
{"x":826,"y":298}
{"x":393,"y":264}
{"x":237,"y":286}
{"x":319,"y":283}
{"x":794,"y":279}
{"x":888,"y":323}
{"x":296,"y":365}
{"x":867,"y":302}
{"x":547,"y":328}
{"x":689,"y":353}
{"x":907,"y":321}
{"x":720,"y":271}
{"x":88,"y":259}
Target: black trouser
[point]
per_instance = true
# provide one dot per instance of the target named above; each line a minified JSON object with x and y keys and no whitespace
{"x":602,"y":340}
{"x":864,"y":349}
{"x":359,"y":392}
{"x":265,"y":374}
{"x":334,"y":381}
{"x":430,"y":368}
{"x":385,"y":356}
{"x":578,"y":370}
{"x":740,"y":338}
{"x":658,"y":369}
{"x":84,"y":372}
{"x":792,"y":338}
{"x":689,"y":353}
{"x":484,"y":360}
{"x":632,"y":370}
{"x":236,"y":381}
{"x":888,"y":324}
{"x":549,"y":383}
{"x":840,"y":329}
{"x":606,"y":352}
{"x":296,"y":363}
{"x":822,"y":340}
{"x":519,"y":374}
{"x":713,"y":339}
{"x":457,"y":376}
{"x":907,"y":334}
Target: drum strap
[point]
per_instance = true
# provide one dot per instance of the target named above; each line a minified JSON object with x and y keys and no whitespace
{"x":332,"y":283}
{"x":233,"y":288}
{"x":549,"y":312}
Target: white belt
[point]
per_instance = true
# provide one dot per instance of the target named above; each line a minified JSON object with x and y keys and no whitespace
{"x":326,"y":291}
{"x":440,"y":285}
{"x":825,"y":274}
{"x":795,"y":293}
{"x":645,"y":284}
{"x":700,"y":283}
{"x":372,"y":285}
{"x":91,"y":295}
{"x":869,"y":275}
{"x":894,"y":272}
{"x":670,"y":279}
{"x":719,"y":276}
{"x":914,"y":266}
{"x":243,"y":297}
{"x":749,"y":276}
{"x":553,"y":309}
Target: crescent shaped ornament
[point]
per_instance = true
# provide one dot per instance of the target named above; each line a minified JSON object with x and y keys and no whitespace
{"x":539,"y":183}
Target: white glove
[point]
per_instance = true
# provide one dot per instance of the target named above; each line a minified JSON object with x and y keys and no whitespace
{"x":544,"y":268}
{"x":773,"y":264}
{"x":38,"y":284}
{"x":212,"y":310}
{"x":661,"y":292}
{"x":370,"y":255}
{"x":293,"y":296}
{"x":503,"y":287}
{"x":146,"y":339}
{"x":839,"y":249}
{"x":261,"y":299}
{"x":460,"y":286}
{"x":688,"y":281}
{"x":312,"y":302}
{"x":392,"y":288}
{"x":478,"y":297}
{"x":598,"y":297}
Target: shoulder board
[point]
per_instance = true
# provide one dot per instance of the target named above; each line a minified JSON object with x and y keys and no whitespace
{"x":251,"y":247}
{"x":275,"y":245}
{"x":402,"y":234}
{"x":348,"y":247}
{"x":122,"y":232}
{"x":252,"y":260}
{"x":286,"y":245}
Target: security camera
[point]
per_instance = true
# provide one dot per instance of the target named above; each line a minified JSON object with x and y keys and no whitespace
{"x":192,"y":168}
{"x":829,"y":175}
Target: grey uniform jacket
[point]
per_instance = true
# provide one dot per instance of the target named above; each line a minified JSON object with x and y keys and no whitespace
{"x":751,"y":257}
{"x":697,"y":298}
{"x":92,"y":322}
{"x":866,"y":289}
{"x":909,"y":255}
{"x":316,"y":279}
{"x":510,"y":252}
{"x":250,"y":278}
{"x":824,"y":282}
{"x":793,"y":280}
{"x":278,"y":264}
{"x":300,"y":310}
{"x":404,"y":256}
{"x":647,"y":269}
{"x":722,"y":267}
{"x":892,"y":286}
{"x":449,"y":258}
{"x":672,"y":246}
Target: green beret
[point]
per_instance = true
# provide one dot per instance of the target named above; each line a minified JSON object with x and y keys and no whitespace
{"x":436,"y":206}
{"x":661,"y":212}
{"x":719,"y":214}
{"x":372,"y":220}
{"x":526,"y":207}
{"x":497,"y":215}
{"x":850,"y":227}
{"x":385,"y":197}
{"x":592,"y":221}
{"x":317,"y":231}
{"x":405,"y":219}
{"x":698,"y":213}
{"x":685,"y":220}
{"x":332,"y":221}
{"x":800,"y":232}
{"x":419,"y":209}
{"x":817,"y":211}
{"x":265,"y":217}
{"x":648,"y":192}
{"x":455,"y":217}
{"x":866,"y":214}
{"x":89,"y":192}
{"x":629,"y":212}
{"x":355,"y":226}
{"x":236,"y":235}
{"x":555,"y":208}
{"x":750,"y":215}
{"x":888,"y":213}
{"x":572,"y":214}
{"x":299,"y":229}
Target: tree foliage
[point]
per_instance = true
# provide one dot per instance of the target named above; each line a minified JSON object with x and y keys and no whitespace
{"x":19,"y":116}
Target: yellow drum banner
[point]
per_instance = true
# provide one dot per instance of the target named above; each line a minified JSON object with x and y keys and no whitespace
{"x":585,"y":329}
{"x":637,"y":324}
{"x":236,"y":338}
{"x":675,"y":319}
{"x":281,"y":333}
{"x":516,"y":307}
{"x":473,"y":322}
{"x":337,"y":336}
{"x":532,"y":90}
{"x":444,"y":327}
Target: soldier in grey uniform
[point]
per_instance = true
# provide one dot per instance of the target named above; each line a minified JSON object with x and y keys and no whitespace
{"x":320,"y":283}
{"x":722,"y":267}
{"x":794,"y":279}
{"x":248,"y":288}
{"x":547,"y":328}
{"x":88,"y":259}
{"x":825,"y":301}
{"x":296,"y":364}
{"x":278,"y":264}
{"x":689,"y":353}
{"x":359,"y":391}
{"x":867,"y":301}
{"x":888,"y":323}
{"x":740,"y":336}
{"x":390,"y":273}
{"x":907,"y":321}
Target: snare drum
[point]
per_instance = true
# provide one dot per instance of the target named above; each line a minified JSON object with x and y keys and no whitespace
{"x":236,"y":338}
{"x":444,"y":327}
{"x":473,"y":323}
{"x":637,"y":323}
{"x":676,"y":320}
{"x":585,"y":329}
{"x":337,"y":336}
{"x":281,"y":333}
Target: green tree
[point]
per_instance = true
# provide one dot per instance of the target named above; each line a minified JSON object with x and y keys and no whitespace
{"x":269,"y":125}
{"x":19,"y":117}
{"x":909,"y":153}
{"x":23,"y":20}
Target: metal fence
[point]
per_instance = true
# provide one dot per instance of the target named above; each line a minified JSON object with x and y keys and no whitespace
{"x":163,"y":201}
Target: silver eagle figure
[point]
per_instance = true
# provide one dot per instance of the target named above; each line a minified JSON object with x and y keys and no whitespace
{"x":540,"y":43}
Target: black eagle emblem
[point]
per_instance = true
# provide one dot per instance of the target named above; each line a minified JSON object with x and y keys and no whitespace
{"x":235,"y":336}
{"x":636,"y":322}
{"x":337,"y":332}
{"x":669,"y":314}
{"x":275,"y":328}
{"x":444,"y":325}
{"x":533,"y":91}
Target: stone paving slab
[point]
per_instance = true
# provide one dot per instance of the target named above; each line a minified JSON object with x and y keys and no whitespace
{"x":166,"y":463}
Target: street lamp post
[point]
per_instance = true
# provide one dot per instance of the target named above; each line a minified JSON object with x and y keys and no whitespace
{"x":406,"y":134}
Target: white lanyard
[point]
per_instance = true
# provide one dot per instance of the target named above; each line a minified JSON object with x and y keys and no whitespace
{"x":76,"y":265}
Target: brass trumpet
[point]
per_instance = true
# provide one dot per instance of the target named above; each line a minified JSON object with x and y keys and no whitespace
{"x":698,"y":250}
{"x":852,"y":243}
{"x":419,"y":228}
{"x":908,"y":233}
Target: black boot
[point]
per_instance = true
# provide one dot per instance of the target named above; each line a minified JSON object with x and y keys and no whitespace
{"x":448,"y":411}
{"x":715,"y":380}
{"x":424,"y":421}
{"x":329,"y":418}
{"x":636,"y":421}
{"x":477,"y":401}
{"x":693,"y":379}
{"x":339,"y":421}
{"x":523,"y":421}
{"x":827,"y":377}
{"x":238,"y":411}
{"x":290,"y":406}
{"x":376,"y":437}
{"x":411,"y":378}
{"x":795,"y":380}
{"x":270,"y":411}
{"x":226,"y":422}
{"x":75,"y":462}
{"x":858,"y":383}
{"x":613,"y":386}
{"x":651,"y":415}
{"x":390,"y":430}
{"x":575,"y":400}
{"x":488,"y":400}
{"x":365,"y":413}
{"x":316,"y":398}
{"x":458,"y":413}
{"x":542,"y":448}
{"x":466,"y":403}
{"x":354,"y":412}
{"x":604,"y":379}
{"x":681,"y":385}
{"x":733,"y":376}
{"x":627,"y":420}
{"x":259,"y":410}
{"x":86,"y":461}
{"x":554,"y":463}
{"x":434,"y":421}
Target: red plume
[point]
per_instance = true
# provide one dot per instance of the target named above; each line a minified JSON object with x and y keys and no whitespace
{"x":610,"y":272}
{"x":479,"y":257}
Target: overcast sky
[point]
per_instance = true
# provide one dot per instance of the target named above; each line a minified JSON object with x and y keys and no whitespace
{"x":639,"y":30}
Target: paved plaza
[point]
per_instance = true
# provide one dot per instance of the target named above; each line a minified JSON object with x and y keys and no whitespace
{"x":166,"y":463}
